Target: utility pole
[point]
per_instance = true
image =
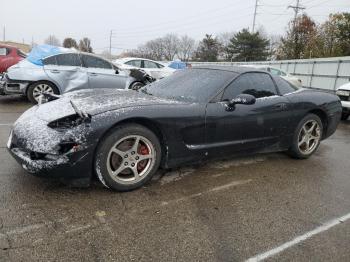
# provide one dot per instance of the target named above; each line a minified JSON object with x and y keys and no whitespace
{"x":110,"y":44}
{"x":3,"y":35}
{"x":254,"y":18}
{"x":296,"y":9}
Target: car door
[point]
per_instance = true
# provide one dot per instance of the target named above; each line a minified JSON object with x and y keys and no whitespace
{"x":154,"y":69}
{"x":135,"y":63}
{"x":66,"y":72}
{"x":102,"y":74}
{"x":246,"y":127}
{"x":6,"y":59}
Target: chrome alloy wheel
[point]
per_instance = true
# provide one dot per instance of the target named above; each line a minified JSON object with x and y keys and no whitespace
{"x":130,"y":159}
{"x":309,"y":137}
{"x":42,"y":89}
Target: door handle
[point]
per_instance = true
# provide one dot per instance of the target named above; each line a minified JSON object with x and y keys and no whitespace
{"x":55,"y":71}
{"x":93,"y":74}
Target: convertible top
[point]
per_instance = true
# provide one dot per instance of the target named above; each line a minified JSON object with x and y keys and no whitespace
{"x":40,"y":52}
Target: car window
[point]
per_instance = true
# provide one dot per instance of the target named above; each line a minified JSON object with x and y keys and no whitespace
{"x":284,"y":86}
{"x":135,"y":63}
{"x":3,"y":51}
{"x":21,"y":54}
{"x":95,"y":62}
{"x":149,"y":64}
{"x":195,"y":85}
{"x":68,"y":60}
{"x":255,"y":84}
{"x":159,"y":65}
{"x":275,"y":71}
{"x":51,"y":60}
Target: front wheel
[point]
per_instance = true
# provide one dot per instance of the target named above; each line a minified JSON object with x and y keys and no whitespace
{"x":344,"y":116}
{"x":307,"y":137}
{"x":128,"y":157}
{"x":35,"y":90}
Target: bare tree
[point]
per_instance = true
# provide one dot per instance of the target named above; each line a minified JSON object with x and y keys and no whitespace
{"x":70,"y":43}
{"x":52,"y":40}
{"x":155,"y":49}
{"x":170,"y":45}
{"x":186,"y":47}
{"x":85,"y":45}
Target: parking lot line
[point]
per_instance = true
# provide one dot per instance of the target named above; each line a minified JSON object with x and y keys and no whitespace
{"x":215,"y":189}
{"x":6,"y":124}
{"x":301,"y":238}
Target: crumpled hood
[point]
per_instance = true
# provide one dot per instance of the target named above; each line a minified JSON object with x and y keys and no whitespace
{"x":96,"y":101}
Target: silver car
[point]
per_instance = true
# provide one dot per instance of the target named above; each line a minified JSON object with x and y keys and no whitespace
{"x":62,"y":73}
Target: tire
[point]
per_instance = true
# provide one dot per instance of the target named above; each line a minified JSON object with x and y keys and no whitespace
{"x":136,"y":85}
{"x":122,"y":167}
{"x":345,"y":116}
{"x":305,"y":139}
{"x":39,"y":87}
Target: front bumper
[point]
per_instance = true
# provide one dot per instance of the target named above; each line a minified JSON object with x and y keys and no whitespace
{"x":43,"y":151}
{"x":9,"y":87}
{"x":69,"y":167}
{"x":345,"y":105}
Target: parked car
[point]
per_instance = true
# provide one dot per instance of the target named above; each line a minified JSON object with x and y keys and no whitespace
{"x":56,"y":70}
{"x":194,"y":115}
{"x":9,"y":56}
{"x":153,"y":68}
{"x":344,"y":94}
{"x":276,"y":71}
{"x":177,"y":64}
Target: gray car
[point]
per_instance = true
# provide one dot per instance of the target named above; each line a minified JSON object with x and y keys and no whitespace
{"x":62,"y":73}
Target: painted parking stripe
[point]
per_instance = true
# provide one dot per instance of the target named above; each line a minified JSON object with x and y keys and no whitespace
{"x":298,"y":239}
{"x":6,"y":124}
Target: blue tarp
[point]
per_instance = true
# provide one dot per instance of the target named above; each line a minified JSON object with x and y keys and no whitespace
{"x":39,"y":52}
{"x":177,"y":65}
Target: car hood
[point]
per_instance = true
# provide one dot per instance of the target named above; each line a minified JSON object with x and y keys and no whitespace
{"x":345,"y":87}
{"x":93,"y":102}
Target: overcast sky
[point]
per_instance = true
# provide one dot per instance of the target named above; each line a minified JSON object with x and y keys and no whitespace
{"x":134,"y":22}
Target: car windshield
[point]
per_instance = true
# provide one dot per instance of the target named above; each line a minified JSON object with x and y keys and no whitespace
{"x":193,"y":85}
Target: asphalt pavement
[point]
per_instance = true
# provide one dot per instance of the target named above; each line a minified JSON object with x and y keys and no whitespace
{"x":263,"y":207}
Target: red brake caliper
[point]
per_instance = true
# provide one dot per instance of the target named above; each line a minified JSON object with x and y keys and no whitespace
{"x":143,"y":150}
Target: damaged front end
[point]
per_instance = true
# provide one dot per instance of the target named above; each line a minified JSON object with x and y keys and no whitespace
{"x":55,"y":148}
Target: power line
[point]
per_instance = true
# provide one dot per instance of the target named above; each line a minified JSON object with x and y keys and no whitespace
{"x":296,"y":9}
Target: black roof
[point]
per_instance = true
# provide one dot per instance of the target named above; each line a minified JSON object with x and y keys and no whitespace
{"x":236,"y":69}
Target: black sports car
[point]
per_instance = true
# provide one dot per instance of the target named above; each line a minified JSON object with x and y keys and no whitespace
{"x":124,"y":136}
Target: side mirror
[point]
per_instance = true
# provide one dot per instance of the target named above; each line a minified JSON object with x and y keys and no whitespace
{"x":117,"y":72}
{"x":243,"y":99}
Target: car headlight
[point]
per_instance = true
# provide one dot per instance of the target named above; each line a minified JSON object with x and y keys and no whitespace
{"x":343,"y":93}
{"x":68,"y":122}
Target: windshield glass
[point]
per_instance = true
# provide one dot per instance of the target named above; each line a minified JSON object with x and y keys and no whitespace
{"x":193,"y":85}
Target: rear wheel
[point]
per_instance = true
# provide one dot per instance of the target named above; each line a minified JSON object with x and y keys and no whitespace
{"x":128,"y":157}
{"x":307,"y":137}
{"x":136,"y":85}
{"x":35,"y":90}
